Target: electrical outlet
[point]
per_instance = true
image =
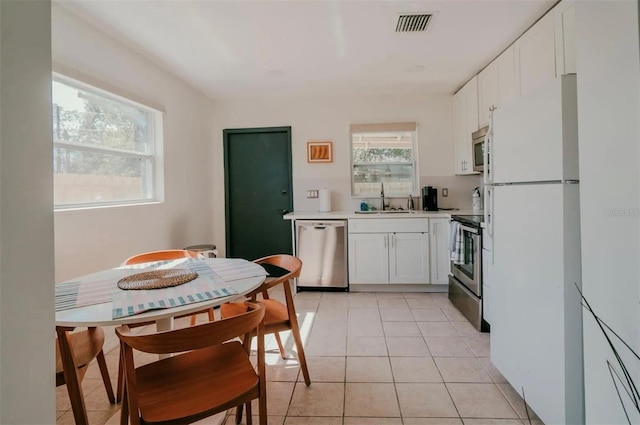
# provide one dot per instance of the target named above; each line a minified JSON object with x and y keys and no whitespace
{"x":312,"y":193}
{"x":445,"y":192}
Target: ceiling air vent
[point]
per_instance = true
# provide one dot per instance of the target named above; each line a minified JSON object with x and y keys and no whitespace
{"x":413,"y":22}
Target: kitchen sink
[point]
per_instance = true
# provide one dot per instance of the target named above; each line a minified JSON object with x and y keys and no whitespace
{"x":387,"y":212}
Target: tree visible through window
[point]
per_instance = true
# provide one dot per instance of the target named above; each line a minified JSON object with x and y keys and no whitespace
{"x":105,"y":147}
{"x":387,"y":157}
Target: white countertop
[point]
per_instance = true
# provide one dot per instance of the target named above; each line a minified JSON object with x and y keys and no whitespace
{"x":344,"y":215}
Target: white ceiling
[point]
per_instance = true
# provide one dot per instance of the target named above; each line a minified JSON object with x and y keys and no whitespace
{"x":262,"y":47}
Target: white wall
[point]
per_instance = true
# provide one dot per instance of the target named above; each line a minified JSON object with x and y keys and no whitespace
{"x":89,"y":240}
{"x":26,"y":217}
{"x":328,"y":118}
{"x":609,"y":111}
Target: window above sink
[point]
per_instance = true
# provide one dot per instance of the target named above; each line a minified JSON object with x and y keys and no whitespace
{"x":384,"y":153}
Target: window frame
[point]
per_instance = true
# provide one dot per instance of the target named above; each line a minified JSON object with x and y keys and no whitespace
{"x":387,"y":128}
{"x":155,"y":156}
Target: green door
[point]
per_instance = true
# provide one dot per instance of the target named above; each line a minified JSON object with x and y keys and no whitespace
{"x":258,"y":191}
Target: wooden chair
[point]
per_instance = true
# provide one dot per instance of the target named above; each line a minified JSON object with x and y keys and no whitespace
{"x":167,"y":254}
{"x":278,"y":317}
{"x":74,"y":353}
{"x":147,"y":257}
{"x":211,"y":375}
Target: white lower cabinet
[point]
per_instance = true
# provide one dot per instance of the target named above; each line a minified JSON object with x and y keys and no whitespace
{"x":409,"y":258}
{"x":440,"y":263}
{"x":368,"y":258}
{"x":385,"y":251}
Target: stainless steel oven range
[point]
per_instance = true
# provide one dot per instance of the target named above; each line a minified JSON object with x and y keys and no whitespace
{"x":465,"y":281}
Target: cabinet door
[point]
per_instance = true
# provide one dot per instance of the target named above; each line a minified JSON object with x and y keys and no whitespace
{"x":565,"y":26}
{"x":459,"y":129}
{"x":508,"y":86}
{"x":472,"y":107}
{"x":439,"y":247}
{"x":487,"y":92}
{"x":409,"y":258}
{"x":368,"y":258}
{"x":465,"y":122}
{"x":536,"y":55}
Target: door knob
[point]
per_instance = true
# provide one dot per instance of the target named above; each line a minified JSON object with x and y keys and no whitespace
{"x":284,"y":193}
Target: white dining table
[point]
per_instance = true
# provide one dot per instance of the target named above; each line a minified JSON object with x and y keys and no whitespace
{"x":101,"y":314}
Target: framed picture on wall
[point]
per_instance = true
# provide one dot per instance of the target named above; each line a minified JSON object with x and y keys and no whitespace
{"x":320,"y":151}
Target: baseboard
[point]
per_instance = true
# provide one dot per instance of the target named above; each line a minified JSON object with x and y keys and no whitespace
{"x":398,"y":288}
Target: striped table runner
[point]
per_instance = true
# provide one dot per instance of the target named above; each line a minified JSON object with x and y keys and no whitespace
{"x":213,"y":280}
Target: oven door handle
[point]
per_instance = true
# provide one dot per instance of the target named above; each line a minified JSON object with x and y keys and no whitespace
{"x":468,"y":229}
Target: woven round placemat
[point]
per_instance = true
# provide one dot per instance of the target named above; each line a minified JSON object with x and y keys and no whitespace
{"x":157,"y":279}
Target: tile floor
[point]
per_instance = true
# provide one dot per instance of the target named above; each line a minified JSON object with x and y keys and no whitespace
{"x":374,"y":359}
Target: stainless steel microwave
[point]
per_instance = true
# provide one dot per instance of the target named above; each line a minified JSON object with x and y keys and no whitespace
{"x":477,"y":148}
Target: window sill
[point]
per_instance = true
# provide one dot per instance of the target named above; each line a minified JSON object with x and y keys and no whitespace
{"x":97,"y":207}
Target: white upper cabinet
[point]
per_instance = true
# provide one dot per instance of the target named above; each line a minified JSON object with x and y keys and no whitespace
{"x":545,"y":51}
{"x":487,"y":92}
{"x":565,"y":24}
{"x":465,"y":122}
{"x":472,"y":107}
{"x":497,"y":85}
{"x":508,"y":84}
{"x":535,"y":55}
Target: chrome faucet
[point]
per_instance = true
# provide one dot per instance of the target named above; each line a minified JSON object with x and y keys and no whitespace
{"x":382,"y":196}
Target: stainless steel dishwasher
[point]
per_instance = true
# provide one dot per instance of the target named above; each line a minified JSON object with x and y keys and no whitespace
{"x":321,"y":245}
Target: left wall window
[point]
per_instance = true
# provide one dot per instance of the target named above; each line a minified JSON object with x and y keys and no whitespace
{"x":107,"y":150}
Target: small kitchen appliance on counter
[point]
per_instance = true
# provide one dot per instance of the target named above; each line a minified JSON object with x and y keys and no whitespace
{"x":429,"y":198}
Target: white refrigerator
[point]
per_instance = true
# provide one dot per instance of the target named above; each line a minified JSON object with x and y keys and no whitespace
{"x":536,"y":317}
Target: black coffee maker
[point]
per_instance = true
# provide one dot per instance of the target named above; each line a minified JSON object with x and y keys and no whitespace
{"x":429,"y":198}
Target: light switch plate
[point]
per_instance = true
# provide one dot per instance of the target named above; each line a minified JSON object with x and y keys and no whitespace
{"x":445,"y":192}
{"x":313,"y":193}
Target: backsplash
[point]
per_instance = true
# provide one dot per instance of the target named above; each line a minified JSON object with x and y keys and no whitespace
{"x":460,"y":190}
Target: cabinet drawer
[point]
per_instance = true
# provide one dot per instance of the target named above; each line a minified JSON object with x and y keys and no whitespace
{"x":389,"y":225}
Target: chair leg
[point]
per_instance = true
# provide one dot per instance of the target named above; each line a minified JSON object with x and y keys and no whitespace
{"x":239,"y":413}
{"x":262,"y":410}
{"x":102,"y":364}
{"x":124,"y":412}
{"x":71,"y":378}
{"x":280,"y":346}
{"x":301,"y":357}
{"x":212,"y":316}
{"x":193,"y":319}
{"x":120,"y":383}
{"x":249,"y":416}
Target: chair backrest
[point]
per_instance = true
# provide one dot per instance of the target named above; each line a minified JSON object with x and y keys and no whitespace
{"x":167,"y":254}
{"x":187,"y":339}
{"x":194,"y":337}
{"x":293,"y":265}
{"x":85,"y":346}
{"x":285,"y":261}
